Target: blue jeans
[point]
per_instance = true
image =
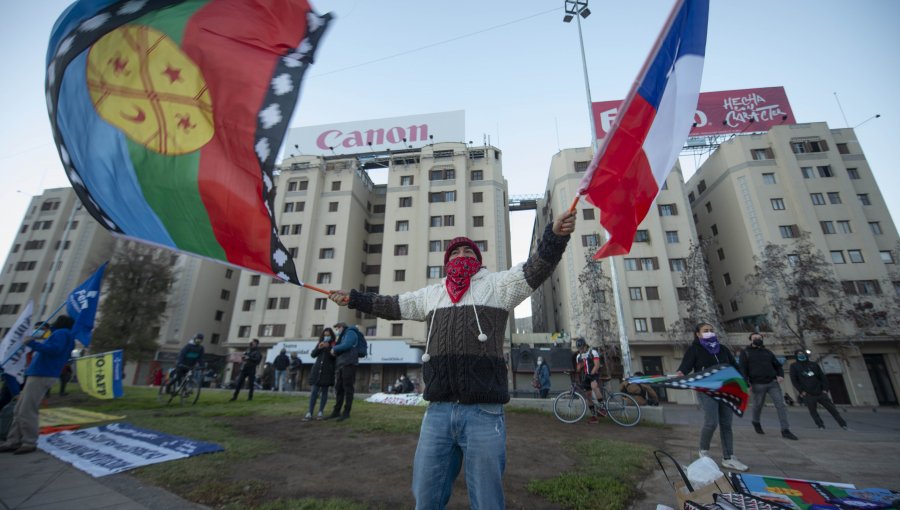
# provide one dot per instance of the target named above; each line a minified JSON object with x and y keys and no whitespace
{"x":716,"y":415}
{"x":280,"y":376}
{"x":452,"y":433}
{"x":314,"y":394}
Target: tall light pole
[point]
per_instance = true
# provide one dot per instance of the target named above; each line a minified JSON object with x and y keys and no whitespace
{"x":577,"y":9}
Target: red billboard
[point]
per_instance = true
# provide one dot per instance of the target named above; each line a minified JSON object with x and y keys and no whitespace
{"x":720,"y":113}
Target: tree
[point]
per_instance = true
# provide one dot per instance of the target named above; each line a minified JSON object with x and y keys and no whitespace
{"x":800,"y":289}
{"x":597,"y":318}
{"x":698,"y":297}
{"x":137,"y":284}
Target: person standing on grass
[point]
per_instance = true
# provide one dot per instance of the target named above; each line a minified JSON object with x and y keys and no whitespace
{"x":281,"y":364}
{"x":294,"y":372}
{"x":345,"y":365}
{"x":705,"y":352}
{"x":251,"y":360}
{"x":321,"y":377}
{"x":43,"y":372}
{"x":463,"y":366}
{"x":764,"y":373}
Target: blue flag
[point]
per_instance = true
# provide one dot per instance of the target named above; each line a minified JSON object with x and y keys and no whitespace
{"x":82,"y":306}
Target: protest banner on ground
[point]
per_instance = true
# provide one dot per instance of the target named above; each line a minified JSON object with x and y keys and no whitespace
{"x":56,"y":416}
{"x":402,"y":399}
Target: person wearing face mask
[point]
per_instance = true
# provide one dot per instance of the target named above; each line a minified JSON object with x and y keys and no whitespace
{"x":345,"y":365}
{"x":542,"y":376}
{"x":322,"y":375}
{"x":251,"y":359}
{"x":809,"y":380}
{"x":705,"y":352}
{"x":464,"y":368}
{"x":764,"y":373}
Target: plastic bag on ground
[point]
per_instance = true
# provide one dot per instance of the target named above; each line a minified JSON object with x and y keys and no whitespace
{"x":703,"y":471}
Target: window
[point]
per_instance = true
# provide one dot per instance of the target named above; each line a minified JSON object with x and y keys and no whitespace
{"x":632,"y":265}
{"x":449,"y":220}
{"x":436,"y":221}
{"x":691,"y":197}
{"x":875,"y":227}
{"x":317,"y":330}
{"x":330,"y":230}
{"x":864,"y":199}
{"x":400,"y":275}
{"x":301,"y":206}
{"x":254,"y":280}
{"x":789,"y":231}
{"x":827,"y":227}
{"x":652,"y":293}
{"x":17,"y":287}
{"x":837,"y":257}
{"x":296,"y":230}
{"x":683,"y":293}
{"x":271,"y":303}
{"x":402,"y":226}
{"x":285,"y":230}
{"x":842,"y":148}
{"x":658,"y":324}
{"x":853,"y":173}
{"x":477,"y":197}
{"x":887,"y":256}
{"x":477,"y":221}
{"x":34,"y":245}
{"x":303,"y":186}
{"x":587,"y":214}
{"x":817,"y":198}
{"x":442,"y":174}
{"x":762,"y":154}
{"x":335,"y":185}
{"x":590,"y":240}
{"x":401,"y":250}
{"x":640,"y":325}
{"x":320,"y":303}
{"x":271,"y":330}
{"x":435,"y":246}
{"x":435,"y":272}
{"x":768,"y":178}
{"x":396,"y":329}
{"x":482,"y":245}
{"x":332,"y":206}
{"x":374,"y":248}
{"x":243,"y":331}
{"x":777,"y":203}
{"x":323,"y":278}
{"x":50,"y":205}
{"x":834,"y":197}
{"x":378,"y":209}
{"x":793,"y":259}
{"x":715,"y":230}
{"x":219,"y":315}
{"x":721,"y":253}
{"x":635,"y":293}
{"x":581,"y":166}
{"x":676,"y":264}
{"x":405,"y":202}
{"x":825,"y":171}
{"x":855,"y":256}
{"x":868,"y":287}
{"x":734,"y":305}
{"x":292,"y":252}
{"x":442,"y":196}
{"x":649,"y":263}
{"x":668,"y":210}
{"x":248,"y":305}
{"x":807,"y":172}
{"x":642,"y":236}
{"x":288,"y":207}
{"x":708,"y":207}
{"x":803,"y":147}
{"x":844,"y":227}
{"x":477,"y":175}
{"x":702,"y":186}
{"x":225,"y":294}
{"x":671,"y":236}
{"x":727,"y":279}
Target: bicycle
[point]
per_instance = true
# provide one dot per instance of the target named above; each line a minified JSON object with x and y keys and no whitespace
{"x":571,"y":406}
{"x":186,"y":388}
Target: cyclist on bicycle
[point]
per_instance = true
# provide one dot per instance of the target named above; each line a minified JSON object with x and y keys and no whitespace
{"x":191,"y":355}
{"x":588,"y":365}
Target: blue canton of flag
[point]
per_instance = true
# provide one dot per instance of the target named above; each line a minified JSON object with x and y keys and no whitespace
{"x":81,"y":305}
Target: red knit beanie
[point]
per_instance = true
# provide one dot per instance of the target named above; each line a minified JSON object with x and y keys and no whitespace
{"x":459,"y":241}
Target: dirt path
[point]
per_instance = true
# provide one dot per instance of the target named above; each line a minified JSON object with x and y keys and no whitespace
{"x":318,"y":456}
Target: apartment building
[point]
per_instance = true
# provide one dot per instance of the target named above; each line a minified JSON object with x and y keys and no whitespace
{"x":649,"y":277}
{"x":48,"y":260}
{"x":772,"y":187}
{"x":347,"y":232}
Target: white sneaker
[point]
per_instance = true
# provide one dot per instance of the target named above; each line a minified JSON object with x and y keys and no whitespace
{"x":734,"y":464}
{"x":320,"y":416}
{"x":307,"y":417}
{"x":704,"y":453}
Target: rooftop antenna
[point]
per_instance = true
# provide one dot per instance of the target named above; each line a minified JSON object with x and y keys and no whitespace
{"x":846,"y":124}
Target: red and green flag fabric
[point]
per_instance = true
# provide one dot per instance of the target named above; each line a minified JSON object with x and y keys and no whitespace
{"x":721,"y":382}
{"x":168,"y":116}
{"x":793,"y":493}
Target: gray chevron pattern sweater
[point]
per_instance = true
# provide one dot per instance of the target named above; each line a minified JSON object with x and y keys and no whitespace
{"x":462,"y":368}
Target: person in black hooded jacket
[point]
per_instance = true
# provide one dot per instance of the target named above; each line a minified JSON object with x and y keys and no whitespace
{"x":764,"y":373}
{"x":811,"y":383}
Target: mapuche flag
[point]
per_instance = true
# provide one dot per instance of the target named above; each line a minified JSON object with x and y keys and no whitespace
{"x":168,"y":115}
{"x":721,"y":382}
{"x":631,"y":165}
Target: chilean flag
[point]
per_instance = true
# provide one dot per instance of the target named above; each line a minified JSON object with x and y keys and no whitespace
{"x":656,"y":117}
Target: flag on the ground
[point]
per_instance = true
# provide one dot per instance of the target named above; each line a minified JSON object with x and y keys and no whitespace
{"x":168,"y":116}
{"x":793,"y":493}
{"x":81,"y":305}
{"x":721,"y":382}
{"x":100,"y":375}
{"x":12,"y":354}
{"x":634,"y":159}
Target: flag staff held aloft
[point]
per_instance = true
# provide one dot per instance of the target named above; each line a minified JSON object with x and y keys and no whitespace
{"x":628,"y":171}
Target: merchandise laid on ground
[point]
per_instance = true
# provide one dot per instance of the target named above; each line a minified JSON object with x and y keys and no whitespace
{"x":701,"y":486}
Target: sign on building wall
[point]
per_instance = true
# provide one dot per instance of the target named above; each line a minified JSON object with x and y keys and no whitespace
{"x":377,"y":134}
{"x":720,"y":113}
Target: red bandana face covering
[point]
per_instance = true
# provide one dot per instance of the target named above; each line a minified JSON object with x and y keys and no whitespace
{"x":459,"y":275}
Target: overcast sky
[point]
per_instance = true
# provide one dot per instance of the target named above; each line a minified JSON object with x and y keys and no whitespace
{"x":515,"y":68}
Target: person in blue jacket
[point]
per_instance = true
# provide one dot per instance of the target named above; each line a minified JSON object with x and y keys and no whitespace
{"x":345,"y":366}
{"x":46,"y":365}
{"x":542,"y":375}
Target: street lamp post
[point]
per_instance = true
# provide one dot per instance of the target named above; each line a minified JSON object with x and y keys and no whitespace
{"x":578,"y":9}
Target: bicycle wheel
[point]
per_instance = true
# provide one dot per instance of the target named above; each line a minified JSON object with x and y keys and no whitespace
{"x":173,"y":391}
{"x":623,"y":409}
{"x":569,"y":407}
{"x":190,"y":392}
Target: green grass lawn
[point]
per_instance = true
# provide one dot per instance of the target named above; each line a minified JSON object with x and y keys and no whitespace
{"x":604,"y":478}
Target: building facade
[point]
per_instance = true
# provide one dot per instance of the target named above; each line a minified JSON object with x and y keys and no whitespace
{"x":776,"y":187}
{"x":346,"y":232}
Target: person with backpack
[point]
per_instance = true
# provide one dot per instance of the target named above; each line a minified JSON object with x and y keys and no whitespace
{"x":346,"y":354}
{"x":321,"y":377}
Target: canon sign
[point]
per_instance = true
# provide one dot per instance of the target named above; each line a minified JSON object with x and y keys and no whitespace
{"x":377,"y":134}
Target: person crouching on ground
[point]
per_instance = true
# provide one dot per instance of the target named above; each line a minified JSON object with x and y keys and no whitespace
{"x":463,"y":366}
